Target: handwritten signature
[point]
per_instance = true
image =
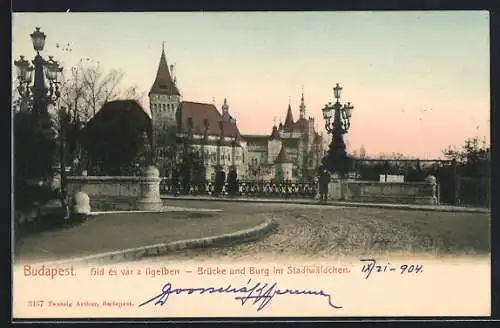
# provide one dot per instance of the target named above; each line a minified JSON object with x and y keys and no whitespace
{"x":260,"y":293}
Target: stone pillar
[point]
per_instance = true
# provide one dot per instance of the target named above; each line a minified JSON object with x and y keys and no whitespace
{"x":335,"y":188}
{"x":431,"y":180}
{"x":80,"y":206}
{"x":150,"y":190}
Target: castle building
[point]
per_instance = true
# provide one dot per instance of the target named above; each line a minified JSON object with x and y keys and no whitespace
{"x":292,"y":151}
{"x":294,"y":148}
{"x":212,"y":133}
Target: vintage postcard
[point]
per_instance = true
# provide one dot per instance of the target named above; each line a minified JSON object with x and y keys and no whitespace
{"x":251,"y":164}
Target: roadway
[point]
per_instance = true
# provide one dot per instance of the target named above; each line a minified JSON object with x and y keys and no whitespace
{"x":323,"y":231}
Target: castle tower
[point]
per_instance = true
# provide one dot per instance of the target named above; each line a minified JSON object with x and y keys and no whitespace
{"x":164,"y":97}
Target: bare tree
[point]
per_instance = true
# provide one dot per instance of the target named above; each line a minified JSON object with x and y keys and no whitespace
{"x":88,"y":87}
{"x":99,"y":86}
{"x":135,"y":93}
{"x":72,"y":92}
{"x":85,"y":88}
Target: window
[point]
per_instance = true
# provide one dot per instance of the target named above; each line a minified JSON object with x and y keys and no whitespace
{"x":163,"y":106}
{"x":168,"y":106}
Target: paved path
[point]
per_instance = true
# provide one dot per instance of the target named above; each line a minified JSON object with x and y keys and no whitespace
{"x":113,"y":232}
{"x":307,"y":230}
{"x":306,"y":201}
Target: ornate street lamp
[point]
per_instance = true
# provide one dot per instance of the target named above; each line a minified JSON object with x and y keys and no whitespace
{"x":49,"y":69}
{"x":24,"y":76}
{"x":38,"y":96}
{"x":38,"y":39}
{"x":336,"y":158}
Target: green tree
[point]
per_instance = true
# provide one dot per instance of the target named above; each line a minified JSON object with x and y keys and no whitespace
{"x":175,"y":154}
{"x":279,"y":174}
{"x":473,"y":157}
{"x":35,"y":156}
{"x":167,"y":148}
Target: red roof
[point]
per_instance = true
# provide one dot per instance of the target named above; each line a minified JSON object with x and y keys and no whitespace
{"x":282,"y":157}
{"x":164,"y":83}
{"x":204,"y":114}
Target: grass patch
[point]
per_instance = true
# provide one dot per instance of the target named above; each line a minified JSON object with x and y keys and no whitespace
{"x":117,"y":231}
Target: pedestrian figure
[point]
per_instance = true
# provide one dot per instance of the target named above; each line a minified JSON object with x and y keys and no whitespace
{"x":223,"y":181}
{"x":217,"y":183}
{"x":220,"y":179}
{"x":324,"y":179}
{"x":232,"y":180}
{"x":175,"y":181}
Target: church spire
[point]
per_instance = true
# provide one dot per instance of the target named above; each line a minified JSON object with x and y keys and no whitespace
{"x":302,"y":106}
{"x":164,"y":84}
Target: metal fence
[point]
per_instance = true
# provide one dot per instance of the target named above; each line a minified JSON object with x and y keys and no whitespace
{"x":245,"y":189}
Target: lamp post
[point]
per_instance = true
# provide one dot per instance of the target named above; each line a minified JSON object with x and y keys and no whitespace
{"x":63,"y":116}
{"x":336,"y":158}
{"x":38,"y":96}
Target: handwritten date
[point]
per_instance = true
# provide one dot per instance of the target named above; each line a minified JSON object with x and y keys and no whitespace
{"x":371,"y":266}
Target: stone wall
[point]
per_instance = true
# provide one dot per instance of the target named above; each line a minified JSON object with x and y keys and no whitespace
{"x":119,"y":192}
{"x":382,"y":192}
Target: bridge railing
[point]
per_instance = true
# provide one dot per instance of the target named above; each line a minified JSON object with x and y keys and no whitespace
{"x":244,"y":189}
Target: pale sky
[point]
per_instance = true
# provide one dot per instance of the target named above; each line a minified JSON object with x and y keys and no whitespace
{"x":419,"y":81}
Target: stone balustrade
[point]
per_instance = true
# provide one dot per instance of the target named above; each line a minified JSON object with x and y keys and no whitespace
{"x":381,"y":192}
{"x":119,"y":192}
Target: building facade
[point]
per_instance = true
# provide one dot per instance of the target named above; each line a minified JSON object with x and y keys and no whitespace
{"x":292,"y":151}
{"x":295,"y":143}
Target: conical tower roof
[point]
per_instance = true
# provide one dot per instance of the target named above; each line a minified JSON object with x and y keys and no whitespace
{"x":289,"y":118}
{"x":164,"y":83}
{"x":282,"y":157}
